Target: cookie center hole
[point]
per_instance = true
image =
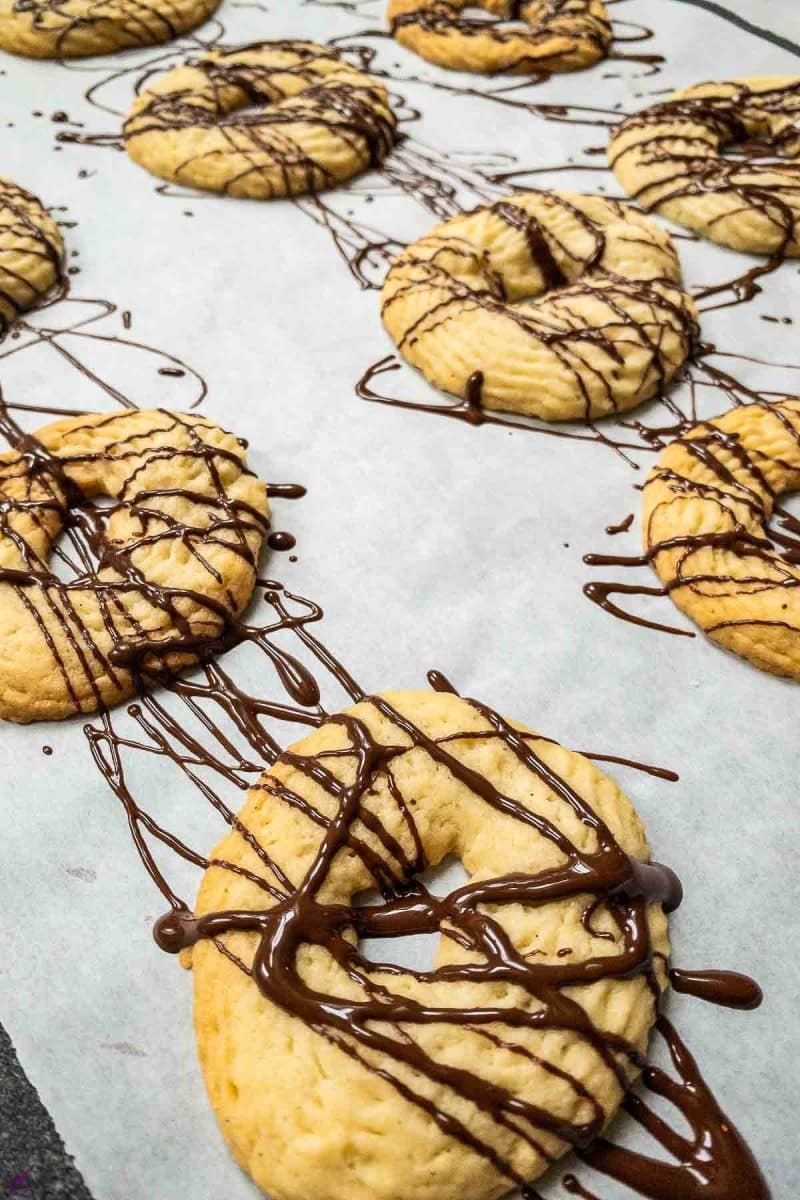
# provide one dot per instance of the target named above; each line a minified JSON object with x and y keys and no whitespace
{"x":473,"y":15}
{"x":417,"y":952}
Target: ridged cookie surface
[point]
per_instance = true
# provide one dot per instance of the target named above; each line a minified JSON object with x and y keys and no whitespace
{"x":31,"y":250}
{"x":76,"y":28}
{"x":561,"y":35}
{"x":670,"y":159}
{"x":341,"y":1077}
{"x":569,"y":306}
{"x":317,"y":121}
{"x":175,"y":555}
{"x":706,"y":508}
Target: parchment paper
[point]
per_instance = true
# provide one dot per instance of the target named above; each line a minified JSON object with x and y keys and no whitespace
{"x":428,"y":543}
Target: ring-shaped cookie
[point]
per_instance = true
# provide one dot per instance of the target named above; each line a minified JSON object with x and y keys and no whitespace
{"x":336,"y":1077}
{"x":671,"y":159}
{"x":569,"y":306}
{"x":559,"y":35}
{"x":175,"y":554}
{"x":706,"y":508}
{"x":77,"y":28}
{"x":31,"y":252}
{"x":273,"y":119}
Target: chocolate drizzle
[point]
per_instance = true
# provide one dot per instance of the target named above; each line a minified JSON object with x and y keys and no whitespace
{"x":294,"y":916}
{"x":445,"y":276}
{"x":611,"y":880}
{"x":470,"y":411}
{"x":715,"y":1163}
{"x":727,"y":988}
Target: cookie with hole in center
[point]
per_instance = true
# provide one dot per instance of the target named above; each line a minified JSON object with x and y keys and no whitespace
{"x":272,"y":119}
{"x":568,"y":306}
{"x":337,"y":1076}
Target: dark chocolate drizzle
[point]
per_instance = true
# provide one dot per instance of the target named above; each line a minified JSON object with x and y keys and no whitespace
{"x":206,"y":751}
{"x":726,"y":988}
{"x":714,"y":1163}
{"x":296,"y":916}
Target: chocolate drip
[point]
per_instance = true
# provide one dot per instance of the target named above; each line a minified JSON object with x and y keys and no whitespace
{"x":280,"y":540}
{"x":622,"y":527}
{"x":714,"y":1164}
{"x":286,"y":491}
{"x":647,"y":768}
{"x":576,"y":1188}
{"x":726,"y":988}
{"x":440,"y":683}
{"x":601,"y":592}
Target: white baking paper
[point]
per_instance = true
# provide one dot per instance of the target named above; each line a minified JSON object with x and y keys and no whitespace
{"x":427,"y":542}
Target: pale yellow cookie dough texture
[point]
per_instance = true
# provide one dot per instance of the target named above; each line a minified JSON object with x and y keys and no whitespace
{"x":670,"y":158}
{"x":307,"y":1119}
{"x":312,"y":121}
{"x":177,"y":557}
{"x":571,"y":306}
{"x":561,"y":35}
{"x":31,"y":250}
{"x":706,"y":509}
{"x":77,"y":28}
